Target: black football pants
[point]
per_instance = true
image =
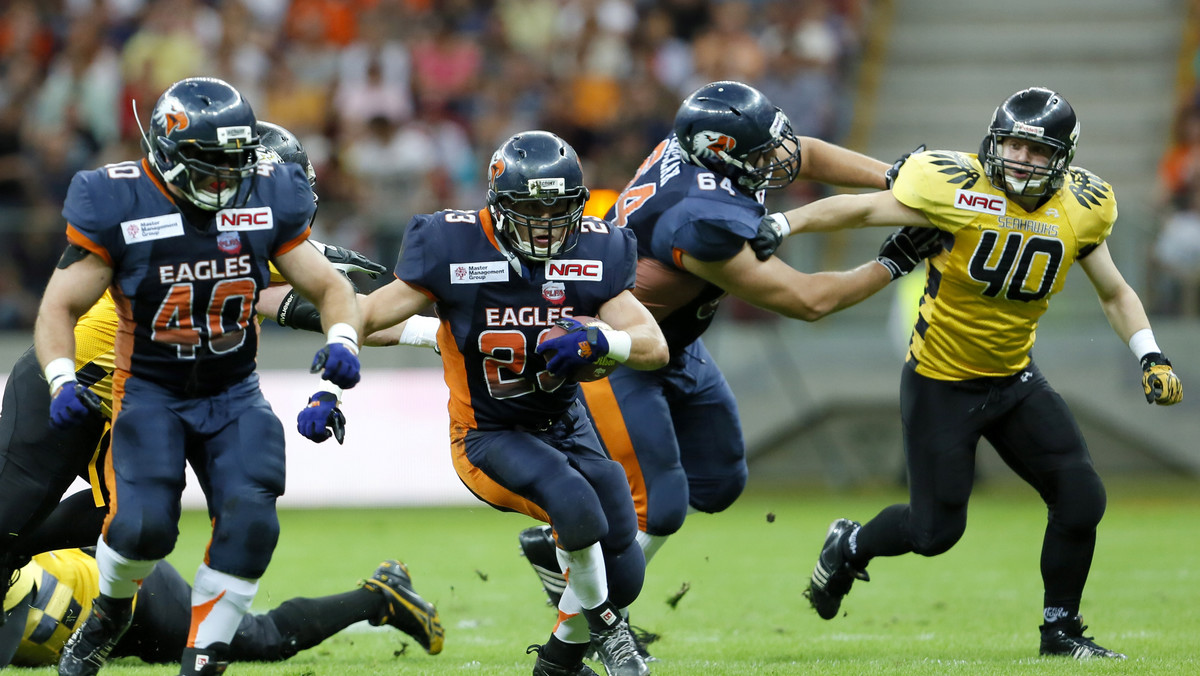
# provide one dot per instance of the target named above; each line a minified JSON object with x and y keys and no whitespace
{"x":1035,"y":434}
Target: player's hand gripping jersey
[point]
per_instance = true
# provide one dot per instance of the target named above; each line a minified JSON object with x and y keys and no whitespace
{"x":498,"y":307}
{"x":986,"y":291}
{"x":675,"y":207}
{"x":189,"y":290}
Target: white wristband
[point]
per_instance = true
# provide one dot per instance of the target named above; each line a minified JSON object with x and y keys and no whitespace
{"x":342,"y":333}
{"x":1142,"y":343}
{"x":619,"y":344}
{"x":781,"y":223}
{"x":329,"y":387}
{"x":420,"y":331}
{"x":58,"y":372}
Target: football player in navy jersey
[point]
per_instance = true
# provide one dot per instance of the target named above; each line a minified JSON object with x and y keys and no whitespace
{"x":184,"y":238}
{"x":1014,"y":217}
{"x":499,"y":278}
{"x":696,"y":206}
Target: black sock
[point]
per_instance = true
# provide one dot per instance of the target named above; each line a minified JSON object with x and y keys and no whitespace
{"x":562,"y":653}
{"x":307,"y":622}
{"x":602,"y":618}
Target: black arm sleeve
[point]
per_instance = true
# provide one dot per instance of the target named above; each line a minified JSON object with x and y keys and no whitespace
{"x":298,"y":312}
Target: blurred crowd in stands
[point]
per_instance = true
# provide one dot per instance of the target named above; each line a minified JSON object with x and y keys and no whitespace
{"x":398,"y":102}
{"x":1174,"y":270}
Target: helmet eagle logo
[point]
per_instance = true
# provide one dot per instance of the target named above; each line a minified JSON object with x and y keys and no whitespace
{"x":177,"y":120}
{"x":712,"y":143}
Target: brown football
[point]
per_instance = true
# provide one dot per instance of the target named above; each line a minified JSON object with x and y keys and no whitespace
{"x":601,"y":368}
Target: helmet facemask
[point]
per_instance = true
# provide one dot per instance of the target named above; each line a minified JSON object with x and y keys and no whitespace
{"x":543,"y":222}
{"x":211,"y":177}
{"x":1041,"y":181}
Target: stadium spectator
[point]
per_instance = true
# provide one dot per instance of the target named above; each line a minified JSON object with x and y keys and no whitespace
{"x":491,"y":68}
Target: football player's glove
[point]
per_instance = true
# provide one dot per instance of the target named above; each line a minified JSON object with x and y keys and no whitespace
{"x":1159,"y":382}
{"x":578,"y":346}
{"x":337,"y":364}
{"x":771,"y":231}
{"x":890,"y":175}
{"x":322,"y":418}
{"x":72,"y":404}
{"x":348,"y":260}
{"x":907,"y":247}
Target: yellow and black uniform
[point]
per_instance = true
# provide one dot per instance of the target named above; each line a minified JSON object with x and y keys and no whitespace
{"x":969,"y":375}
{"x":986,"y":291}
{"x":54,"y":592}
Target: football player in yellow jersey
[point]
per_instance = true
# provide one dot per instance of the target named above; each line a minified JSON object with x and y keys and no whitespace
{"x":1013,"y":217}
{"x":55,"y":590}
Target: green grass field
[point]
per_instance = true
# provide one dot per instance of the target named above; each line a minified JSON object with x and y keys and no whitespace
{"x":974,"y":610}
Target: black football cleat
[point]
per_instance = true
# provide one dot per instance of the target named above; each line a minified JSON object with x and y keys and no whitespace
{"x":545,"y":667}
{"x":1065,"y":638}
{"x":404,"y":608}
{"x":209,"y":661}
{"x":643,"y":638}
{"x":833,"y":575}
{"x":618,"y":651}
{"x":94,"y":639}
{"x":537,"y":545}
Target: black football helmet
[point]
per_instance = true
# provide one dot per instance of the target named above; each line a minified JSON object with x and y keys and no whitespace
{"x":1035,"y":114}
{"x":536,"y":194}
{"x":732,"y":129}
{"x":202,"y":140}
{"x":277,"y":144}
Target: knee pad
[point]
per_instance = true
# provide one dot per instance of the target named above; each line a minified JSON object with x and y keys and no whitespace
{"x":667,"y":503}
{"x":578,"y":517}
{"x":626,"y":572}
{"x":1081,"y":501}
{"x":943,"y":534}
{"x":715,"y":494}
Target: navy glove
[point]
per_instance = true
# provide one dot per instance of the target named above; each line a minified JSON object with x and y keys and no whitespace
{"x":890,"y":175}
{"x":349,"y":260}
{"x":72,"y":404}
{"x":908,"y":246}
{"x":322,"y":418}
{"x":578,"y":346}
{"x":338,"y":364}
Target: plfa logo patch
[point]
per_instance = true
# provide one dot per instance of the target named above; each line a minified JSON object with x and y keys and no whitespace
{"x":155,"y":227}
{"x":554,"y":292}
{"x":229,"y":242}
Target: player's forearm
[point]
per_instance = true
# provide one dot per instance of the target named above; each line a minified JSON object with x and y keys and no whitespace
{"x":1125,"y":313}
{"x":821,"y":294}
{"x":339,"y":305}
{"x":648,"y":349}
{"x":54,"y":335}
{"x":838,"y":212}
{"x":835,"y":165}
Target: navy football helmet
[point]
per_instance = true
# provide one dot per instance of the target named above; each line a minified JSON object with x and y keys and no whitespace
{"x":732,"y":129}
{"x":536,"y":194}
{"x":1034,"y":114}
{"x":202,"y":140}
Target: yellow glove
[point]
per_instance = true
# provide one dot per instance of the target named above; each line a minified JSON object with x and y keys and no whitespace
{"x":1159,"y":382}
